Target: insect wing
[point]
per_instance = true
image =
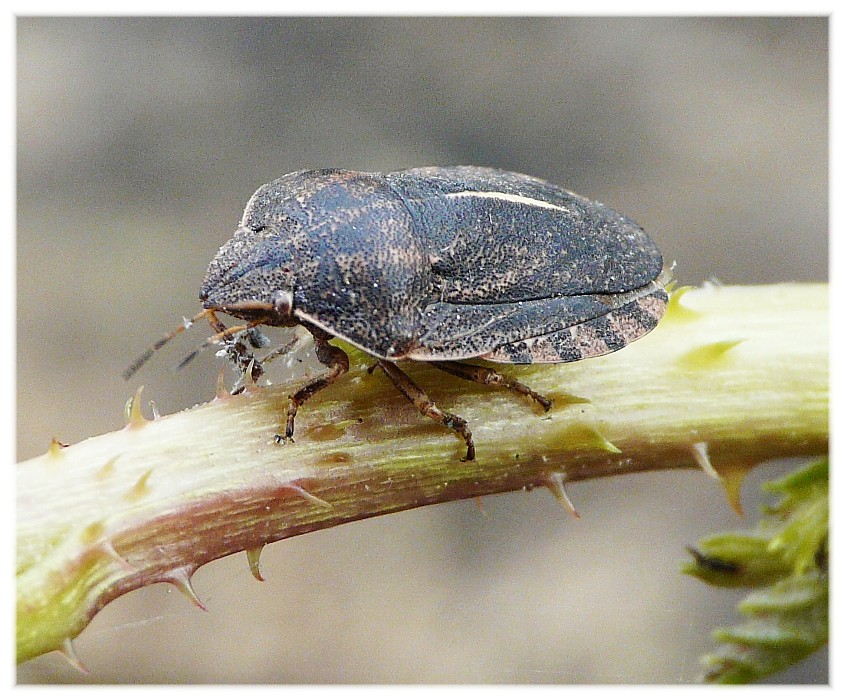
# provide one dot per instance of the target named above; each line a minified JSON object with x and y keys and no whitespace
{"x":560,"y":329}
{"x":597,"y":336}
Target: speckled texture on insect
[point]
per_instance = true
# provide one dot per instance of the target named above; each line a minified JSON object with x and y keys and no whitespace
{"x":438,"y":264}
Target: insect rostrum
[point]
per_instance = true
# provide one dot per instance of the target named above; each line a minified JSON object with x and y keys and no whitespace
{"x":440,"y":265}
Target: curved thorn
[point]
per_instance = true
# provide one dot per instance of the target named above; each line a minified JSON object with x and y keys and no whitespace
{"x":249,"y":383}
{"x":140,"y":488}
{"x":556,"y":485}
{"x":221,"y":392}
{"x":700,"y":452}
{"x":253,"y":555}
{"x":109,"y":549}
{"x":56,"y":447}
{"x":67,"y":650}
{"x":307,"y":496}
{"x":180,"y":579}
{"x":134,"y":416}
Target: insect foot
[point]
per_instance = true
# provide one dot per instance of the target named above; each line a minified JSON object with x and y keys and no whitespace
{"x":337,"y":362}
{"x":488,"y":377}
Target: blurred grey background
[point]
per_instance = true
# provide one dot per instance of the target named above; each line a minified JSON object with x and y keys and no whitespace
{"x":140,"y":141}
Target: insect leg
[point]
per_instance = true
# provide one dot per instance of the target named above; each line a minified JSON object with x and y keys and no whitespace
{"x":234,"y":347}
{"x":337,"y":362}
{"x":215,"y":322}
{"x":486,"y":376}
{"x":427,"y":407}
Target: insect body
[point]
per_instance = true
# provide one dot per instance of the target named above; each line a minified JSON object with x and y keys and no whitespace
{"x":439,"y":265}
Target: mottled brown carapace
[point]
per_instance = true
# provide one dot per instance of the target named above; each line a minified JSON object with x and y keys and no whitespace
{"x":438,"y":264}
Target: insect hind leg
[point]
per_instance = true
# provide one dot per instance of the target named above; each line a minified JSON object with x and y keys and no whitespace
{"x":427,"y":407}
{"x":489,"y":377}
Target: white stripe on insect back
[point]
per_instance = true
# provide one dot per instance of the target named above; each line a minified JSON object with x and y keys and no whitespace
{"x":505,"y":197}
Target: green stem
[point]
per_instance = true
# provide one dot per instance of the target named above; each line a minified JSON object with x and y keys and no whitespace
{"x":731,"y":376}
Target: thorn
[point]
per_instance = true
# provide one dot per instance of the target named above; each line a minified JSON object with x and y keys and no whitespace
{"x":564,"y":399}
{"x":677,"y":310}
{"x":603,"y":443}
{"x":108,"y":548}
{"x":593,"y":438}
{"x":107,"y":469}
{"x":307,"y":496}
{"x":556,"y":485}
{"x":134,"y":417}
{"x":72,"y":657}
{"x":93,"y":532}
{"x":56,"y":448}
{"x":700,"y":452}
{"x":221,"y":392}
{"x":250,"y":386}
{"x":141,"y":487}
{"x":180,"y":579}
{"x":253,"y":555}
{"x":732,"y":481}
{"x":730,"y":477}
{"x":707,"y":355}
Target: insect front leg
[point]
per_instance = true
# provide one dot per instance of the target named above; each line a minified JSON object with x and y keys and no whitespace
{"x":337,"y":362}
{"x":427,"y":407}
{"x":486,"y":376}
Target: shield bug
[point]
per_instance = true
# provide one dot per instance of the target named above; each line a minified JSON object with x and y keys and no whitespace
{"x":438,"y":265}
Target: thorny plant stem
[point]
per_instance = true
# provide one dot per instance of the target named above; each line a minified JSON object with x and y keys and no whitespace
{"x":731,"y":376}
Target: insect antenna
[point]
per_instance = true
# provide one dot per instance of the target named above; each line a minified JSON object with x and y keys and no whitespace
{"x":149,"y":352}
{"x":225,"y":334}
